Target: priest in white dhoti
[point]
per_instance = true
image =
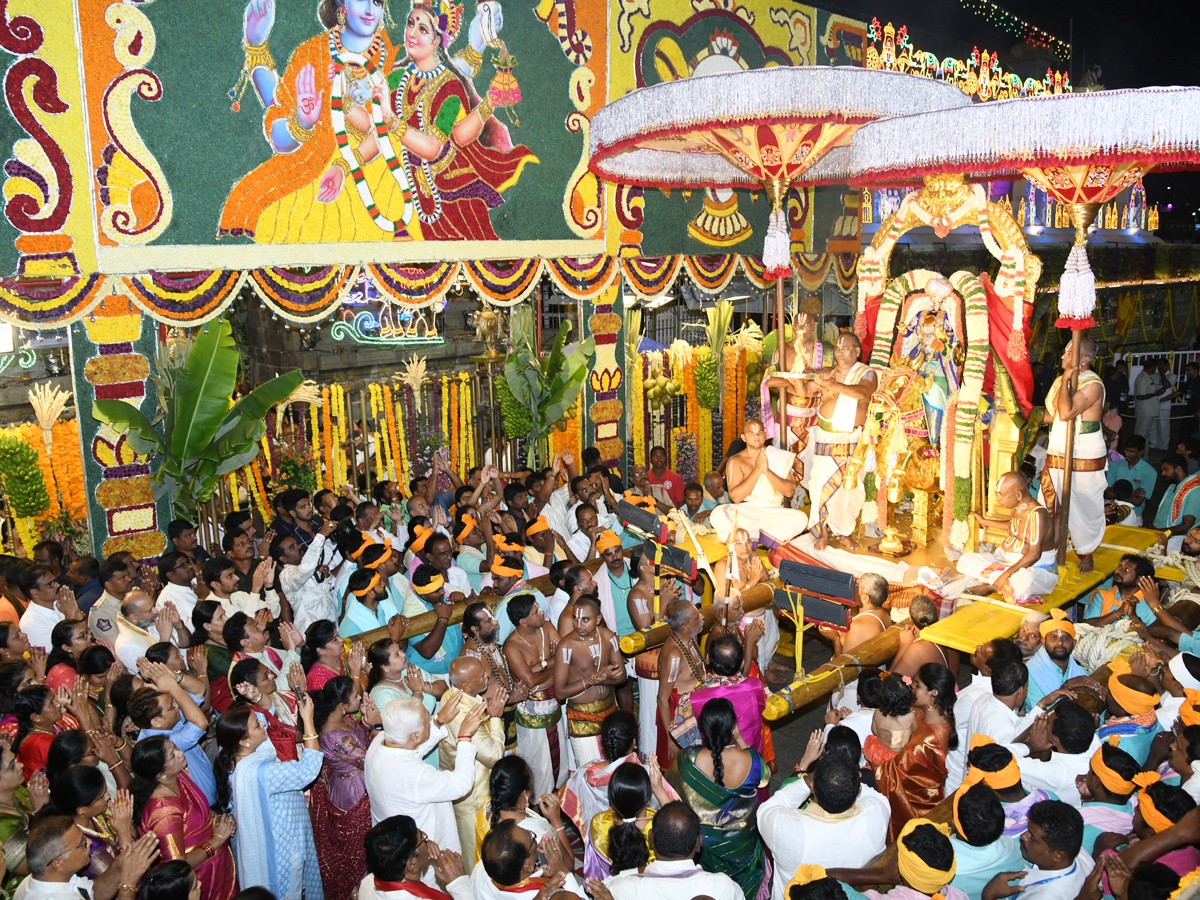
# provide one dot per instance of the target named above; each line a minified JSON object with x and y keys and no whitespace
{"x":1024,"y":564}
{"x":761,"y":479}
{"x":846,"y":391}
{"x":1081,"y":408}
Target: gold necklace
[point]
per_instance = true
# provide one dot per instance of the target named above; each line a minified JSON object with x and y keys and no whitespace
{"x":541,"y":650}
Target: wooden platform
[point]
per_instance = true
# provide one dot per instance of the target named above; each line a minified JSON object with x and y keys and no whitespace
{"x":969,"y":626}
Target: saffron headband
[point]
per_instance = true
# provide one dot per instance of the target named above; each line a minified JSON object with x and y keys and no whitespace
{"x":469,"y":523}
{"x":371,"y":585}
{"x":1058,"y":621}
{"x":607,"y":540}
{"x":423,"y":534}
{"x":1150,"y":813}
{"x":537,"y":526}
{"x":1111,"y":780}
{"x":436,"y":583}
{"x":499,"y":568}
{"x":1133,"y":701}
{"x":383,"y":557}
{"x":917,"y":873}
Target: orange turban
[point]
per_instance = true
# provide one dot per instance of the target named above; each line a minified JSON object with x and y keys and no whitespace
{"x":469,"y":523}
{"x":423,"y":534}
{"x":371,"y":585}
{"x":1133,"y":701}
{"x":1058,"y":621}
{"x":1190,"y":711}
{"x":383,"y":557}
{"x":537,"y":526}
{"x":1000,"y":780}
{"x":367,"y":541}
{"x":607,"y":540}
{"x":499,"y":568}
{"x":1150,"y":813}
{"x":1111,"y":780}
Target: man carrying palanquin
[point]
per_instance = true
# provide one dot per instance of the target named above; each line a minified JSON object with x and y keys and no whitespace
{"x":846,"y":391}
{"x":761,"y":479}
{"x":1024,"y":565}
{"x":1081,"y":408}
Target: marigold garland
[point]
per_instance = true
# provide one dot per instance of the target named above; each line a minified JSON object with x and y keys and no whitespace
{"x":68,"y":467}
{"x":399,"y":469}
{"x":327,"y":434}
{"x":740,"y":388}
{"x":704,"y":434}
{"x":444,"y":405}
{"x":728,"y":398}
{"x":31,"y":434}
{"x":637,"y":410}
{"x":233,"y":492}
{"x":402,"y":455}
{"x":314,"y":422}
{"x":258,"y":492}
{"x":455,"y":446}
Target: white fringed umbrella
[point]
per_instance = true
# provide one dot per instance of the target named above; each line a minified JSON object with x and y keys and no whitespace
{"x":1082,"y":149}
{"x":763,"y":128}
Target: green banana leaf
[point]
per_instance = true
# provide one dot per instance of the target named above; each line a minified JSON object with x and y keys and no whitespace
{"x":203,"y":390}
{"x":256,"y":404}
{"x":139,"y":430}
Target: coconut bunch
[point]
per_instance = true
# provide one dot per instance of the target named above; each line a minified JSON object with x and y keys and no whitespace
{"x":659,"y":386}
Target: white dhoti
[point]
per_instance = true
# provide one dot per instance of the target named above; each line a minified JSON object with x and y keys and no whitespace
{"x":542,"y":742}
{"x":1032,"y":581}
{"x":763,"y":509}
{"x":833,"y":502}
{"x":646,"y":669}
{"x":1086,"y":518}
{"x":856,"y":564}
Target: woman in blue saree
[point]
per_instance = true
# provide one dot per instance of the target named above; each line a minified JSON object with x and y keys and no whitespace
{"x":720,"y":782}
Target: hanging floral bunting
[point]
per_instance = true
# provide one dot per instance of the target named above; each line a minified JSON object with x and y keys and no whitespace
{"x":504,"y":282}
{"x":650,"y":276}
{"x":583,"y":279}
{"x":417,"y":285}
{"x":303,"y":296}
{"x":711,"y":274}
{"x":184,"y":298}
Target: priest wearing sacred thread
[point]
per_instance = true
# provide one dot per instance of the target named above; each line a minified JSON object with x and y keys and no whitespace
{"x":761,"y":479}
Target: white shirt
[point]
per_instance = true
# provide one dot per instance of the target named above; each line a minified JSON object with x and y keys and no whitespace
{"x":1056,"y":774}
{"x":131,"y":644}
{"x":311,"y":600}
{"x":580,"y":544}
{"x":75,"y":889}
{"x":991,"y":717}
{"x":964,"y":701}
{"x":555,"y":511}
{"x":249,"y":602}
{"x":182,"y":596}
{"x":37,"y":622}
{"x":458,"y":889}
{"x":1057,"y":884}
{"x":846,"y":840}
{"x":401,"y":782}
{"x":859,"y":722}
{"x":1168,"y":710}
{"x":486,"y":889}
{"x":676,"y":879}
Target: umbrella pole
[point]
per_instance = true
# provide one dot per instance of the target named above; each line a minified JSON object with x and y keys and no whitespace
{"x":1064,"y":502}
{"x":782,"y":350}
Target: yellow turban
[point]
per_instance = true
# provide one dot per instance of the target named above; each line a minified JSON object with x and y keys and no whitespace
{"x":469,"y":523}
{"x":537,"y":526}
{"x":1058,"y":621}
{"x":436,"y":583}
{"x":917,"y":873}
{"x":499,"y":568}
{"x":1001,"y":780}
{"x":806,"y":873}
{"x":371,"y":585}
{"x":423,"y":534}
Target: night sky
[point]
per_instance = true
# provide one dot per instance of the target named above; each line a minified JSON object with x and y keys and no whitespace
{"x":1127,"y":40}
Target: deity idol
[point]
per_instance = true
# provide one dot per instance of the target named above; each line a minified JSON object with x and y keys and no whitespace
{"x":928,"y":346}
{"x":458,"y":157}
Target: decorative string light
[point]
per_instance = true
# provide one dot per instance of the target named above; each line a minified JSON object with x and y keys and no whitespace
{"x":1015,"y":25}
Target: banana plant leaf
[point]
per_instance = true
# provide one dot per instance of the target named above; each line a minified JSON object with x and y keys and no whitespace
{"x":139,"y":430}
{"x":256,"y":404}
{"x":203,"y":390}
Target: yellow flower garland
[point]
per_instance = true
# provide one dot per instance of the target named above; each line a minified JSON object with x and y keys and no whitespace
{"x":327,"y":434}
{"x":455,"y":442}
{"x":31,"y":434}
{"x":402,"y":458}
{"x":233,"y":492}
{"x":704,"y":435}
{"x":637,"y":409}
{"x":394,"y":440}
{"x":376,"y":437}
{"x":445,"y":406}
{"x":314,"y":416}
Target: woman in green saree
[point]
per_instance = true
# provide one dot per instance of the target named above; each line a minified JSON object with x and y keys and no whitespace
{"x":15,"y":813}
{"x":720,"y":782}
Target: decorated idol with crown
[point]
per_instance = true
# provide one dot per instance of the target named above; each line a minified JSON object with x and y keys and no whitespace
{"x":457,"y":156}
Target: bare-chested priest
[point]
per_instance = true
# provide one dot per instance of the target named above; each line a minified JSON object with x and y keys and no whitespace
{"x":846,"y":391}
{"x":1082,"y":407}
{"x":1023,"y":566}
{"x":801,"y":356}
{"x":587,"y":667}
{"x":761,"y":480}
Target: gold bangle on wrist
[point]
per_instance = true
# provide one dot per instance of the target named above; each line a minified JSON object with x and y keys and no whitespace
{"x":340,"y":163}
{"x":310,"y":737}
{"x":258,"y":55}
{"x":485,"y":109}
{"x":472,"y":57}
{"x":398,"y":127}
{"x":298,"y":132}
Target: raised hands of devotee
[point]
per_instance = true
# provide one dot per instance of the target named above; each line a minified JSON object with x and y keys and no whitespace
{"x":999,"y":885}
{"x":37,"y":661}
{"x":162,"y":621}
{"x":471,"y":722}
{"x":197,"y":660}
{"x":551,"y":808}
{"x":249,"y":692}
{"x":754,"y":630}
{"x":449,"y":708}
{"x":447,"y":867}
{"x":264,"y":574}
{"x":295,"y":678}
{"x":157,"y":674}
{"x":558,"y":861}
{"x":656,"y":775}
{"x":597,"y":889}
{"x":63,"y":695}
{"x":263,"y":617}
{"x":495,"y":700}
{"x":414,"y":680}
{"x":290,"y":636}
{"x":136,"y":860}
{"x":356,"y":661}
{"x":104,"y":747}
{"x":121,"y":815}
{"x":65,"y":603}
{"x":370,"y":712}
{"x":835,"y":716}
{"x":1039,"y":736}
{"x":812,"y":751}
{"x":223,"y":828}
{"x":39,"y":790}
